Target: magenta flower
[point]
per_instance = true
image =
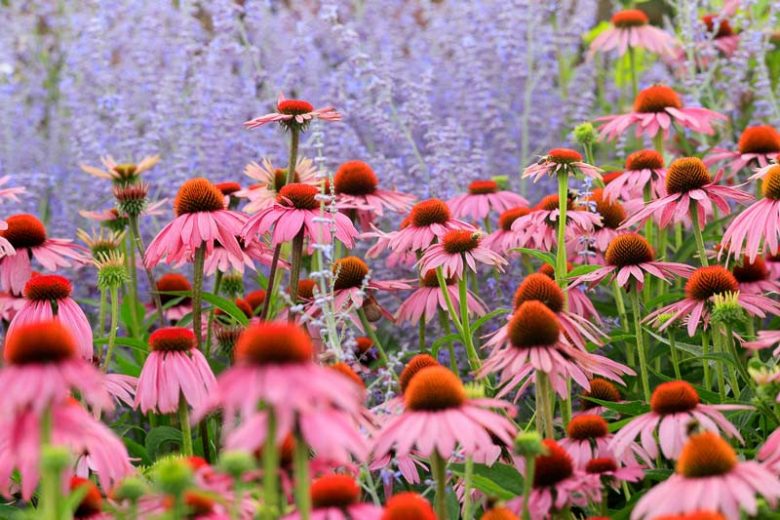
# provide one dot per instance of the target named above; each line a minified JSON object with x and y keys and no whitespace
{"x":174,"y":369}
{"x":561,"y":160}
{"x":271,"y":180}
{"x":631,"y":28}
{"x":457,"y":250}
{"x":201,"y":220}
{"x":588,"y":438}
{"x":674,"y":405}
{"x":709,"y":476}
{"x":644,"y":169}
{"x":337,"y":497}
{"x":483,"y":197}
{"x":538,"y":228}
{"x":504,"y":239}
{"x":291,"y":112}
{"x":297,"y":209}
{"x":428,"y":221}
{"x":689,"y":188}
{"x":758,"y":145}
{"x":45,"y":293}
{"x":28,"y":237}
{"x":425,"y":301}
{"x":655,"y":109}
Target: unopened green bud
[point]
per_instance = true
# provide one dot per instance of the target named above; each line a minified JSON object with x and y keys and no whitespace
{"x":55,"y":458}
{"x":529,"y":445}
{"x":233,"y":284}
{"x":475,"y":390}
{"x":502,"y":181}
{"x":235,"y":463}
{"x":727,"y":309}
{"x":585,"y":133}
{"x":173,"y":476}
{"x":131,"y":488}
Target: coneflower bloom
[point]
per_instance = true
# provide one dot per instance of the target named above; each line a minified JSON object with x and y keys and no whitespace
{"x":408,"y":506}
{"x":337,"y":497}
{"x":252,"y":250}
{"x":291,"y":112}
{"x":271,"y":180}
{"x":765,"y":339}
{"x":425,"y":301}
{"x":47,"y":297}
{"x":578,"y":300}
{"x":558,"y":484}
{"x":297,"y":209}
{"x":588,"y":438}
{"x":709,"y":476}
{"x":201,"y":221}
{"x":28,"y":237}
{"x":769,"y":454}
{"x":689,"y":188}
{"x":754,"y":277}
{"x":758,"y":145}
{"x":484,"y":196}
{"x":428,"y":221}
{"x":702,"y":285}
{"x":656,"y":108}
{"x":723,"y":36}
{"x":602,"y":390}
{"x":612,"y":215}
{"x":42,"y":368}
{"x":174,"y":369}
{"x":503,"y":239}
{"x":392,"y":258}
{"x":560,"y":160}
{"x":534,"y":341}
{"x":115,"y":221}
{"x":754,"y":228}
{"x":175,"y":307}
{"x":352,"y":284}
{"x":125,"y":173}
{"x":439,"y":416}
{"x":94,"y":445}
{"x":629,"y":256}
{"x":674,"y":405}
{"x":90,"y":507}
{"x":357,"y":188}
{"x":538,"y":229}
{"x":631,"y":29}
{"x":498,"y":513}
{"x":644,"y":169}
{"x":457,"y":250}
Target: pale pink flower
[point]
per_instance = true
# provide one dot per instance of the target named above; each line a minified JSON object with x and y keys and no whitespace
{"x":121,"y":173}
{"x":428,"y":299}
{"x":297,"y":210}
{"x":588,"y":438}
{"x":723,"y":36}
{"x":769,"y":454}
{"x":337,"y":497}
{"x":765,"y":339}
{"x":754,"y":277}
{"x":709,"y":476}
{"x":10,"y":193}
{"x":656,"y":108}
{"x":644,"y":170}
{"x":353,"y":286}
{"x":112,"y":218}
{"x":674,"y":405}
{"x":44,"y":293}
{"x":504,"y":238}
{"x":561,"y":160}
{"x":28,"y":237}
{"x":483,"y":197}
{"x":428,"y":221}
{"x":270,"y":180}
{"x":533,"y":342}
{"x":579,"y":301}
{"x":201,"y":221}
{"x":252,"y":250}
{"x":612,"y":215}
{"x":10,"y":305}
{"x":538,"y":229}
{"x":631,"y":29}
{"x":758,"y":146}
{"x":382,"y":246}
{"x":702,"y":285}
{"x":614,"y":473}
{"x":459,"y":249}
{"x":173,"y":369}
{"x":175,"y":306}
{"x":121,"y":388}
{"x":689,"y":188}
{"x":290,"y":112}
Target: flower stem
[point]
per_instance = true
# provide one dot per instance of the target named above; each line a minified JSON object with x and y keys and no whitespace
{"x":705,"y":349}
{"x":468,"y":339}
{"x":640,"y":343}
{"x":271,"y":288}
{"x":197,"y":287}
{"x":374,"y":339}
{"x":560,"y":253}
{"x":101,"y":324}
{"x":184,"y":424}
{"x":114,"y":326}
{"x":632,"y":67}
{"x":446,"y":330}
{"x":621,"y":308}
{"x":301,"y":463}
{"x":50,"y":479}
{"x":295,"y":135}
{"x":701,"y":249}
{"x":544,"y":404}
{"x":439,"y":469}
{"x":450,"y":307}
{"x":528,"y":482}
{"x":271,"y":469}
{"x":133,"y":288}
{"x":675,"y":356}
{"x":421,"y":333}
{"x":658,"y":142}
{"x":467,"y":475}
{"x":212,"y":313}
{"x":137,"y":239}
{"x":295,"y":271}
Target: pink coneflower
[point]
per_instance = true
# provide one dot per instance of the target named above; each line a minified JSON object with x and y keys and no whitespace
{"x":689,"y":188}
{"x":125,"y":173}
{"x":270,"y":180}
{"x":351,"y":286}
{"x":438,"y":416}
{"x":112,"y":219}
{"x":769,"y":454}
{"x":297,"y":208}
{"x":503,"y":239}
{"x":291,"y":112}
{"x":753,"y":277}
{"x":10,"y":305}
{"x":175,"y":307}
{"x":631,"y":29}
{"x":392,"y":258}
{"x":10,"y":193}
{"x":43,"y":295}
{"x":201,"y":221}
{"x":337,"y":497}
{"x":534,"y":342}
{"x":28,"y":237}
{"x":709,"y":476}
{"x":174,"y":369}
{"x":612,"y":473}
{"x":96,"y":446}
{"x":588,"y":438}
{"x":644,"y":169}
{"x":408,"y":506}
{"x":765,"y":339}
{"x":428,"y":221}
{"x":357,"y":188}
{"x":252,"y":250}
{"x":459,"y":249}
{"x":42,"y":367}
{"x":579,"y":302}
{"x":758,"y":145}
{"x":612,"y":215}
{"x":723,"y":36}
{"x":674,"y":405}
{"x":629,"y":256}
{"x":538,"y":229}
{"x":655,"y":109}
{"x":558,"y":484}
{"x":560,"y":160}
{"x":425,"y":301}
{"x":483,"y":197}
{"x":758,"y":222}
{"x":602,"y":390}
{"x":702,"y":285}
{"x":90,"y":507}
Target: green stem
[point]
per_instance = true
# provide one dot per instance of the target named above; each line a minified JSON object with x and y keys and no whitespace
{"x":632,"y":66}
{"x":133,"y":288}
{"x":295,"y":271}
{"x":544,"y":403}
{"x":528,"y":485}
{"x":658,"y":142}
{"x":446,"y":330}
{"x":137,"y":239}
{"x":675,"y":356}
{"x":184,"y":424}
{"x":271,"y":469}
{"x":50,"y":480}
{"x":372,"y":335}
{"x":705,"y":349}
{"x":621,"y":307}
{"x":197,"y":287}
{"x":468,"y":339}
{"x":114,"y":326}
{"x":468,"y":473}
{"x":295,"y":135}
{"x":718,"y":346}
{"x":738,"y":365}
{"x":560,"y":254}
{"x":301,"y":468}
{"x":450,"y":307}
{"x":101,"y":324}
{"x":701,"y":249}
{"x":421,"y":334}
{"x":439,"y":469}
{"x":271,"y":289}
{"x":640,"y":346}
{"x":212,"y":313}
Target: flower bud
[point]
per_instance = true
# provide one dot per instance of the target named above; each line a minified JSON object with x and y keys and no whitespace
{"x":529,"y":445}
{"x":172,"y":476}
{"x":585,"y":133}
{"x":235,"y":463}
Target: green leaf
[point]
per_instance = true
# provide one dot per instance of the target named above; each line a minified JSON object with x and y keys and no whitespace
{"x":632,"y":408}
{"x":484,"y":319}
{"x":228,"y":306}
{"x":136,"y":450}
{"x":546,"y":258}
{"x":582,"y":270}
{"x":499,"y":480}
{"x":159,"y":437}
{"x":436,"y":346}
